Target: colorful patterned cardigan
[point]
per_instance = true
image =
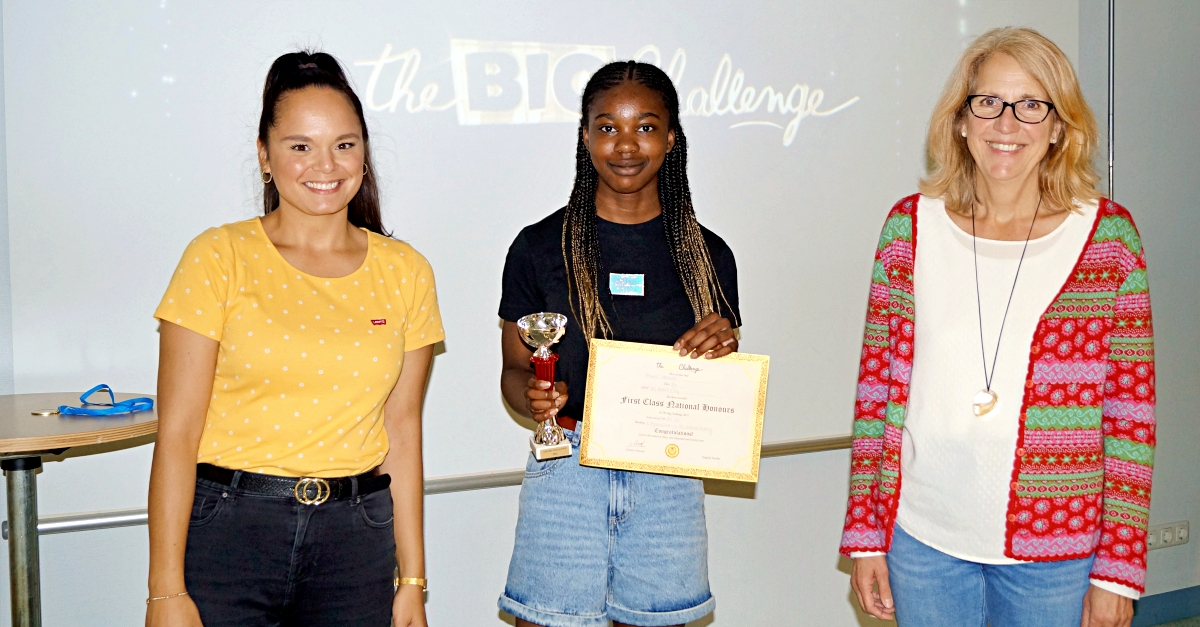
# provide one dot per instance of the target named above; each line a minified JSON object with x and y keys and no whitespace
{"x":1085,"y":449}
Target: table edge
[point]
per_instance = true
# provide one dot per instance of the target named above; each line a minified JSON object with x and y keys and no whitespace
{"x":100,"y":436}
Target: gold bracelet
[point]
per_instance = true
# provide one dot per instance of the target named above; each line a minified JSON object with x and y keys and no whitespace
{"x":169,"y":596}
{"x":413,"y":581}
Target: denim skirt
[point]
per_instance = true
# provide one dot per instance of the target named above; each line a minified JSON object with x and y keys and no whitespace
{"x":595,"y":545}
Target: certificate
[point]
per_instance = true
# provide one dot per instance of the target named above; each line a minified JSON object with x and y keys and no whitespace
{"x":650,"y":410}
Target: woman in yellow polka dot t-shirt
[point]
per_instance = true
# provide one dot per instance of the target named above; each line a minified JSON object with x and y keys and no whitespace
{"x":295,"y":349}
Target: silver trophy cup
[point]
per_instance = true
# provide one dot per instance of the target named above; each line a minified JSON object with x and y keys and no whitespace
{"x":540,"y":331}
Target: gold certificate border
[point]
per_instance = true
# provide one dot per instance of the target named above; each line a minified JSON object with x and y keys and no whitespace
{"x":755,"y":454}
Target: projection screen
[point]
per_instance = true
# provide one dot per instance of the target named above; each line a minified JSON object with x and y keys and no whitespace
{"x":131,"y":129}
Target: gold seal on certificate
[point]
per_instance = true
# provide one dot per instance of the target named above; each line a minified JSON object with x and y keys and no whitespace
{"x":648,"y":409}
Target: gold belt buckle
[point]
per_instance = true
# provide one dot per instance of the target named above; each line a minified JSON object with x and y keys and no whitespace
{"x":301,"y":490}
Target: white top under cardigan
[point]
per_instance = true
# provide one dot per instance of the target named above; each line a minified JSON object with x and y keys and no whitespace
{"x":956,"y":467}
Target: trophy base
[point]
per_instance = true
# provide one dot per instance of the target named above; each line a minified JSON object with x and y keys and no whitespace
{"x":544,"y":452}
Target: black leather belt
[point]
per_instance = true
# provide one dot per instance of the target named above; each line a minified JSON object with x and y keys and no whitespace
{"x":307,"y":490}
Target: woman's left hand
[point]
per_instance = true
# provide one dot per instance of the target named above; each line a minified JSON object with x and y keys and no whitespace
{"x":1102,"y":608}
{"x":408,"y":607}
{"x":712,"y":337}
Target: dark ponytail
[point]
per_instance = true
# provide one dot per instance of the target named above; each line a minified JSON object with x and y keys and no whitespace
{"x":295,"y":71}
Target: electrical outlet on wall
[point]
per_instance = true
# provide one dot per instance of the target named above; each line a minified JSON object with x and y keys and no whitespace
{"x":1168,"y":535}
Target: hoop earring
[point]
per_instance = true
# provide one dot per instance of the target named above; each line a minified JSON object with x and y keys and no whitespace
{"x":365,"y":168}
{"x":266,"y":177}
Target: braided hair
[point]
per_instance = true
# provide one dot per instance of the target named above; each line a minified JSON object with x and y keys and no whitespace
{"x":298,"y":70}
{"x":580,"y":243}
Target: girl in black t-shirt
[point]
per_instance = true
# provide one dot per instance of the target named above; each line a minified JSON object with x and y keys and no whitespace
{"x":595,"y":544}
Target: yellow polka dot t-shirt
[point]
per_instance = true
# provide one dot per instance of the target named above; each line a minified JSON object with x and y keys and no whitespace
{"x":305,"y":363}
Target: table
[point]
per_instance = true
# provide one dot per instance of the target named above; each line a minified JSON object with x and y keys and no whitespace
{"x":24,"y":438}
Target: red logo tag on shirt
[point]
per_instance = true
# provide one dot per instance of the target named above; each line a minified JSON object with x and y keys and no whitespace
{"x":379,"y":321}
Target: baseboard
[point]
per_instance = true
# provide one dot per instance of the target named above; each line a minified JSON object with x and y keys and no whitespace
{"x":1157,"y":609}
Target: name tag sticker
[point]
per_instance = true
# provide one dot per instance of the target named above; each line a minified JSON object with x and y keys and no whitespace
{"x":627,"y":284}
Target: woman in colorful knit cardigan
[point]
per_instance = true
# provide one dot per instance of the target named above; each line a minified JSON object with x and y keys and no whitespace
{"x":1007,"y":373}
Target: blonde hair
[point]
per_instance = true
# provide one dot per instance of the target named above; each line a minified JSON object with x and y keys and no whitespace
{"x":1066,"y":174}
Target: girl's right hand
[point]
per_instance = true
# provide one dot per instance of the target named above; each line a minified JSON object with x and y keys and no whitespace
{"x":870,"y":582}
{"x":175,"y":612}
{"x":543,"y":400}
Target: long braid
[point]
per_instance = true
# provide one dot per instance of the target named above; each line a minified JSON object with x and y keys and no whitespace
{"x":688,"y":248}
{"x":581,"y":247}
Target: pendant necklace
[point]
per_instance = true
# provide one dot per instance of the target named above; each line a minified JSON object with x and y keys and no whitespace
{"x":985,"y":399}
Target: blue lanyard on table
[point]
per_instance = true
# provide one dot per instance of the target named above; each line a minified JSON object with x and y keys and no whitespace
{"x":111,"y":408}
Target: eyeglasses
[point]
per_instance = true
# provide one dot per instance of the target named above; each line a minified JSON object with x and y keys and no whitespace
{"x":991,"y":107}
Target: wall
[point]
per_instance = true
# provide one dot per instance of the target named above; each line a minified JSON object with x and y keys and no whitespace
{"x":6,"y":356}
{"x":1157,"y":145}
{"x":772,"y":548}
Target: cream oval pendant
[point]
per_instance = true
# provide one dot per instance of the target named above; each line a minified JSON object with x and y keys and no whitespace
{"x":984,"y":402}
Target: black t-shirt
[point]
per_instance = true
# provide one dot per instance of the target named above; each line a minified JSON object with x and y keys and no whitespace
{"x":535,"y":280}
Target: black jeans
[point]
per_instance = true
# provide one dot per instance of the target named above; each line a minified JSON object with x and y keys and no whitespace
{"x":256,"y":561}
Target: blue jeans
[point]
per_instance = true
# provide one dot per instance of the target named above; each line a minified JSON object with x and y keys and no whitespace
{"x":273,"y":562}
{"x":595,"y":545}
{"x":932,"y":589}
